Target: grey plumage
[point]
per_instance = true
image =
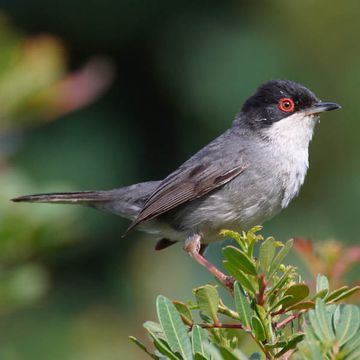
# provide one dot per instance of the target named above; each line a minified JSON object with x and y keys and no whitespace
{"x":242,"y":178}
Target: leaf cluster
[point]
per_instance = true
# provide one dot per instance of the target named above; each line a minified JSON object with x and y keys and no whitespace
{"x":331,"y":332}
{"x":269,"y":300}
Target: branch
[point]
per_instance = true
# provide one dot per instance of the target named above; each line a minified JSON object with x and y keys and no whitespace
{"x":262,"y":288}
{"x":288,"y":320}
{"x":222,"y":326}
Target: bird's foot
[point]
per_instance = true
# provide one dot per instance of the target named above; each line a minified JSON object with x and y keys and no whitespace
{"x":193,"y":248}
{"x":193,"y":244}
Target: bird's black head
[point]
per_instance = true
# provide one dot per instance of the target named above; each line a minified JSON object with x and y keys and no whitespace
{"x":278,"y":99}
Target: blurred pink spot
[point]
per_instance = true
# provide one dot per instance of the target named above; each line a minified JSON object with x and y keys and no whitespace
{"x":81,"y":87}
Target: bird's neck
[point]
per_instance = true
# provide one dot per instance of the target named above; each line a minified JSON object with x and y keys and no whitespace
{"x":289,"y":141}
{"x":291,"y":134}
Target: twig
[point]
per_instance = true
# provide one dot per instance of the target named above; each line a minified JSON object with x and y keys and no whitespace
{"x":262,"y":288}
{"x":286,"y":321}
{"x":186,"y":321}
{"x":214,"y":326}
{"x":221,"y":326}
{"x":279,"y":312}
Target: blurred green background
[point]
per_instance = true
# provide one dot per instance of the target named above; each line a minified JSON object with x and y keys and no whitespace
{"x":96,"y":95}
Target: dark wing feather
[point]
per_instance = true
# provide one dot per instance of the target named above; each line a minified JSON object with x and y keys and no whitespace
{"x":186,"y":184}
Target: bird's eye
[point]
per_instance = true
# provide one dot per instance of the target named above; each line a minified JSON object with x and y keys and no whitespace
{"x":286,"y":105}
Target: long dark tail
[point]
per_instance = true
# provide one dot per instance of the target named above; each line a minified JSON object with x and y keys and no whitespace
{"x":80,"y":197}
{"x":126,"y":201}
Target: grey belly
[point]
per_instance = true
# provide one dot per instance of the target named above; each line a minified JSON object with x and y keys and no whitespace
{"x":237,"y":206}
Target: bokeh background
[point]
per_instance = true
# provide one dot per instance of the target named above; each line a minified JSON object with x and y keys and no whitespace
{"x":99,"y":94}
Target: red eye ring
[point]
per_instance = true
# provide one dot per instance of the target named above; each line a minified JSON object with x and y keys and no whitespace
{"x":286,"y":105}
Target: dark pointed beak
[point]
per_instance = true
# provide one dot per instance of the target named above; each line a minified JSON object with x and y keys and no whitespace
{"x":321,"y":107}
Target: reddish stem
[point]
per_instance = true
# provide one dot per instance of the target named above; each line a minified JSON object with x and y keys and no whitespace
{"x":279,"y":312}
{"x":262,"y":288}
{"x":213,"y":326}
{"x":186,"y":321}
{"x":221,"y":326}
{"x":288,"y":320}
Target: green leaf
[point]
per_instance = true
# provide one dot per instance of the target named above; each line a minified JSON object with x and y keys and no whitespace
{"x":291,"y":344}
{"x":258,"y":328}
{"x":266,"y":253}
{"x":309,"y":348}
{"x":334,"y":294}
{"x":298,"y":292}
{"x":163,"y":347}
{"x":347,"y":324}
{"x":324,"y":320}
{"x":354,"y":355}
{"x":155,"y":328}
{"x":321,"y":294}
{"x":280,"y":302}
{"x":198,"y":339}
{"x":207,"y":298}
{"x":240,"y":276}
{"x":302,"y":305}
{"x":345,"y":294}
{"x":279,"y":257}
{"x":352,"y":345}
{"x":231,"y":354}
{"x":278,"y":344}
{"x":240,"y":260}
{"x":183,"y":310}
{"x":232,"y":235}
{"x":224,"y":310}
{"x":173,"y":326}
{"x":198,"y":356}
{"x":322,"y":283}
{"x":143,"y":347}
{"x":330,"y":308}
{"x":252,"y":235}
{"x":266,"y":322}
{"x":251,"y":238}
{"x":213,"y":352}
{"x":285,"y":277}
{"x":315,"y":325}
{"x":242,"y":306}
{"x":227,"y":354}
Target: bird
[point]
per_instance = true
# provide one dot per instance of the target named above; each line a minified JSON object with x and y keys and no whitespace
{"x":242,"y":178}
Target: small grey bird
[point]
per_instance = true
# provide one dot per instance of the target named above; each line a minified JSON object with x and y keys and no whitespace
{"x":239,"y":180}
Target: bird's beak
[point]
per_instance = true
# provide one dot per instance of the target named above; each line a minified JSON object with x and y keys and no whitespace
{"x":321,"y":107}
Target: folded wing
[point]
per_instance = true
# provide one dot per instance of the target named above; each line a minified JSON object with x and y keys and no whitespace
{"x":186,"y":184}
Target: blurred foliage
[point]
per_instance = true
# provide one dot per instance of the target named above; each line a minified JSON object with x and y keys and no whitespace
{"x":183,"y":69}
{"x":34,"y":87}
{"x":331,"y":332}
{"x":269,"y":301}
{"x":330,"y":257}
{"x":33,"y":81}
{"x":26,"y":234}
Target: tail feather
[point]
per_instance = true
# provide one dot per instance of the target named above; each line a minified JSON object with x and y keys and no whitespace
{"x":81,"y":197}
{"x":126,"y":201}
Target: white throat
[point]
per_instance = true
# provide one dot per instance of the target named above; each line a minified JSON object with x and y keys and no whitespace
{"x":293,"y":131}
{"x":289,"y":139}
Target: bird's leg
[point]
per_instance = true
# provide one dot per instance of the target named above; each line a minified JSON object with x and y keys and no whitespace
{"x":194,"y":248}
